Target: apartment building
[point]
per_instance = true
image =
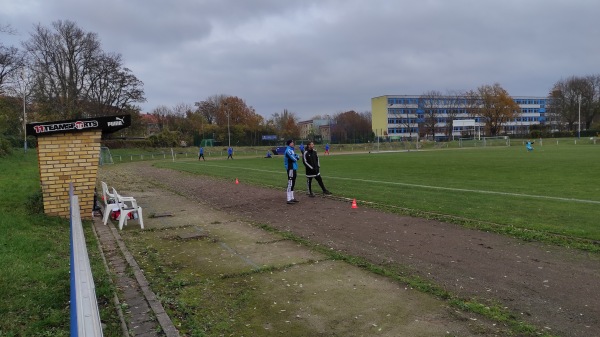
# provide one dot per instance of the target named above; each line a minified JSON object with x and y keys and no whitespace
{"x":404,"y":116}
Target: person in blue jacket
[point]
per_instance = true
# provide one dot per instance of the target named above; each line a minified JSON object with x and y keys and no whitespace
{"x":301,"y":147}
{"x":230,"y":153}
{"x":201,"y":154}
{"x":529,"y":145}
{"x":290,"y":161}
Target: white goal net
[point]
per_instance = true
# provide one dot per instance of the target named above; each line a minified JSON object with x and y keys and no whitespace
{"x":105,"y":156}
{"x":484,"y":141}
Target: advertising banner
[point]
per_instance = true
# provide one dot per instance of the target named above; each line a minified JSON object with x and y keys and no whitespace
{"x":108,"y":124}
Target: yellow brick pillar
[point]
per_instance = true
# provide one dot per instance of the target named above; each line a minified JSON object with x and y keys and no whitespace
{"x":65,"y":158}
{"x":69,"y":152}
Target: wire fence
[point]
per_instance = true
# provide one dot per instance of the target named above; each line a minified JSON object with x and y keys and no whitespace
{"x":120,"y":155}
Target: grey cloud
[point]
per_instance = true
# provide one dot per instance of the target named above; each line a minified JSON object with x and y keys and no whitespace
{"x":327,"y":56}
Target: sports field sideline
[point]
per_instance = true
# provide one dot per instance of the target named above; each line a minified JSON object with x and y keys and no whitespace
{"x":553,"y":189}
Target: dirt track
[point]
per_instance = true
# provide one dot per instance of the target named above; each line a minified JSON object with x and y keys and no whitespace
{"x":550,"y":287}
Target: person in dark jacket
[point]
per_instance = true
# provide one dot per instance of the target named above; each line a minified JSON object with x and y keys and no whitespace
{"x":310,"y":159}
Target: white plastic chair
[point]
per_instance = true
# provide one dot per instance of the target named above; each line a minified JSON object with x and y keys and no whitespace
{"x":110,"y":202}
{"x":128,"y":205}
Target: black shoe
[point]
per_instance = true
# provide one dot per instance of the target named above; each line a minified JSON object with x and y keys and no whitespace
{"x":326,"y":192}
{"x":290,"y":202}
{"x":312,"y":195}
{"x":294,"y":200}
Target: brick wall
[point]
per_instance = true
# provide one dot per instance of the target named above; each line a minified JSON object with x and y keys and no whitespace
{"x":65,"y":158}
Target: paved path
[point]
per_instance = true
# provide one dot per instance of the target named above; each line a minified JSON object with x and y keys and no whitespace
{"x":144,"y":315}
{"x":382,"y":307}
{"x":551,"y":287}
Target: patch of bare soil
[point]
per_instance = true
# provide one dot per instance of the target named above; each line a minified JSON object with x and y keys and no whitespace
{"x":550,"y":287}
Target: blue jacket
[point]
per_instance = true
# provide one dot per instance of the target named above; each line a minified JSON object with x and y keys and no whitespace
{"x":290,"y":159}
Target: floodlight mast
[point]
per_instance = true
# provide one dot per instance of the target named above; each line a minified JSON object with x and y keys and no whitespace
{"x":228,"y":132}
{"x":24,"y":114}
{"x":579,"y":122}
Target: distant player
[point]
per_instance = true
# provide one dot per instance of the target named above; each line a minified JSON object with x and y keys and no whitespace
{"x":529,"y":145}
{"x":201,"y":154}
{"x":327,"y":149}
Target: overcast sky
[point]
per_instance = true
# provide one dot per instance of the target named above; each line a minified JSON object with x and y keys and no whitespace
{"x":318,"y":57}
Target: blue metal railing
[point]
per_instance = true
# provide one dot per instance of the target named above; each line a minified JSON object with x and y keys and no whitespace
{"x":85,"y":316}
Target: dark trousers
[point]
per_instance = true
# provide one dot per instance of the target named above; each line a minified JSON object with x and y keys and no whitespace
{"x":309,"y":183}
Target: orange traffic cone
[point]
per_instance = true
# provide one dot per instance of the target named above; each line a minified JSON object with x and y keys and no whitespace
{"x":237,"y":181}
{"x":354,"y":204}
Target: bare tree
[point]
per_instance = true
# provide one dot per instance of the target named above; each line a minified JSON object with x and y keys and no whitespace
{"x":432,"y":102}
{"x":74,"y":75}
{"x":352,"y":127}
{"x":182,"y":109}
{"x":162,"y":113}
{"x":209,"y":108}
{"x":111,"y":87}
{"x":11,"y":59}
{"x":594,"y":108}
{"x":570,"y":97}
{"x":285,"y":124}
{"x":61,"y":61}
{"x":7,"y":29}
{"x":454,"y":102}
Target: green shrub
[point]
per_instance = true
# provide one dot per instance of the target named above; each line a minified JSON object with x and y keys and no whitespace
{"x":35,"y":203}
{"x":5,"y":148}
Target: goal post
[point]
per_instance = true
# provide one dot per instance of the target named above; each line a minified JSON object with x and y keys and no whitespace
{"x":496,"y":141}
{"x":467,"y":142}
{"x":484,"y":141}
{"x":105,"y":156}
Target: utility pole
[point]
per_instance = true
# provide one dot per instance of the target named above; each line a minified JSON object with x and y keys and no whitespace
{"x":579,"y":122}
{"x":201,"y":122}
{"x":24,"y":114}
{"x":228,"y":132}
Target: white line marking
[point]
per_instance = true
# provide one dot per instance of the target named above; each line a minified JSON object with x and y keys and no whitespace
{"x":428,"y":186}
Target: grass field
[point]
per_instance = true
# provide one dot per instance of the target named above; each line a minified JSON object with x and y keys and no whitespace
{"x":553,"y":189}
{"x":34,"y":259}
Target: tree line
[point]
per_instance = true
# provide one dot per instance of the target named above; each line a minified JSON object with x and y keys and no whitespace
{"x":61,"y":72}
{"x":573,"y":103}
{"x":229,"y":120}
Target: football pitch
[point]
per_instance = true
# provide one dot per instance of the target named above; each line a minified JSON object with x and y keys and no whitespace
{"x":553,"y":189}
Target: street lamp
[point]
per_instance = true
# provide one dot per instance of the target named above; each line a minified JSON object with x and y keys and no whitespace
{"x":24,"y":114}
{"x":328,"y":127}
{"x":201,"y":122}
{"x":579,"y":122}
{"x":228,"y":132}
